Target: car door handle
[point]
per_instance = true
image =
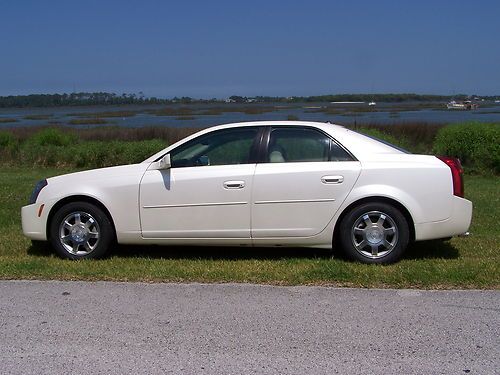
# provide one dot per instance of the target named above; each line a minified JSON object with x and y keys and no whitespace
{"x":332,"y":179}
{"x":234,"y":184}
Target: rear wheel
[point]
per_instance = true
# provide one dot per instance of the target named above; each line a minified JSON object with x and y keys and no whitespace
{"x":374,"y":233}
{"x":81,"y":230}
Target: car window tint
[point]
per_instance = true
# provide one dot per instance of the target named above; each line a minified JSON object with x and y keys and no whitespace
{"x":223,"y":147}
{"x":303,"y":145}
{"x":297,"y":145}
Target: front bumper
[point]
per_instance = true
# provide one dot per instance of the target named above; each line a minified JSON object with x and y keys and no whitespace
{"x":34,"y":227}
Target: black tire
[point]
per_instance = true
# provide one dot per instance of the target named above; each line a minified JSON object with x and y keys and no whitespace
{"x":375,"y":233}
{"x":80,"y":240}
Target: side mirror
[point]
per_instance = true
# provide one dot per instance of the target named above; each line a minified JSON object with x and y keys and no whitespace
{"x":163,"y":163}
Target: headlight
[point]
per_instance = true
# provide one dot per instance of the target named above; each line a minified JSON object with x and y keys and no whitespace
{"x":38,"y":188}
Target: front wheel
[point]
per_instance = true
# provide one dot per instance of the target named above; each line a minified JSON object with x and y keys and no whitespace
{"x":81,"y":230}
{"x":374,"y":233}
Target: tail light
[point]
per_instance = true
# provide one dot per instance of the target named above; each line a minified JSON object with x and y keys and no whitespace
{"x":457,"y":173}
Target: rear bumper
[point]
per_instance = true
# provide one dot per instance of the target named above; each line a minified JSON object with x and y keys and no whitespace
{"x":34,"y":226}
{"x":457,"y":224}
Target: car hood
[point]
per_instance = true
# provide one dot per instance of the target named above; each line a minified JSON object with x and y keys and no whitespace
{"x":96,"y":176}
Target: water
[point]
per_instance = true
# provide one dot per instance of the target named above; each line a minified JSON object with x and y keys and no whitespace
{"x":384,"y":113}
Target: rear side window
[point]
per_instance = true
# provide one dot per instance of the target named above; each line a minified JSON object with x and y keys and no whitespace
{"x":303,"y":145}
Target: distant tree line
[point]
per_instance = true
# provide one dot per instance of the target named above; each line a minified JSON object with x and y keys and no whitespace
{"x":104,"y":98}
{"x":74,"y":99}
{"x":386,"y":98}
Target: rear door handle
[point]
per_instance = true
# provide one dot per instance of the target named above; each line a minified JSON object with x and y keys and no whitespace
{"x":332,"y":179}
{"x":234,"y":184}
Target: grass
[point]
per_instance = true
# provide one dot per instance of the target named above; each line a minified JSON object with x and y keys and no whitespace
{"x":471,"y":262}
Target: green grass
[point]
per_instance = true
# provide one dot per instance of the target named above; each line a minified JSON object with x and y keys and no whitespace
{"x":471,"y":262}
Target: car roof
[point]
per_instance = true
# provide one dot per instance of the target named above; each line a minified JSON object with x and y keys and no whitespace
{"x":277,"y":123}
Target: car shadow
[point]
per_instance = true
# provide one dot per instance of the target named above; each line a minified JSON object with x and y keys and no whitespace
{"x":218,"y":252}
{"x":435,"y":249}
{"x":418,"y":250}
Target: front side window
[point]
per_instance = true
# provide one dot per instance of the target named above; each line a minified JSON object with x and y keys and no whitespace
{"x":222,"y":147}
{"x":303,"y":145}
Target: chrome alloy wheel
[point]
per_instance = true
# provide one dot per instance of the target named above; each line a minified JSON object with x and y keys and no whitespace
{"x":79,"y":233}
{"x":374,"y":234}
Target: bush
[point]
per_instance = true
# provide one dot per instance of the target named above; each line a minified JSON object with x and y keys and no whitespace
{"x":477,"y":145}
{"x":52,"y":137}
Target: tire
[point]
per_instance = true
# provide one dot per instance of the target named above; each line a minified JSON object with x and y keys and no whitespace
{"x":374,"y":233}
{"x":81,"y":230}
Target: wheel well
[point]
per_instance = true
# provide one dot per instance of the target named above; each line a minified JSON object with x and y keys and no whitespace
{"x":77,"y":198}
{"x":392,"y":202}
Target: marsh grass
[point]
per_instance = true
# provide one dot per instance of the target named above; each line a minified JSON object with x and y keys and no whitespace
{"x":167,"y":111}
{"x":88,"y":121}
{"x":6,"y":120}
{"x":471,"y":262}
{"x":181,"y":112}
{"x":352,"y":109}
{"x":38,"y":116}
{"x":417,"y":137}
{"x":211,"y":112}
{"x":108,"y":133}
{"x":104,"y":114}
{"x":183,"y":118}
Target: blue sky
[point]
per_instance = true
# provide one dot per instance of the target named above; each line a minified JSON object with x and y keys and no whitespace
{"x":220,"y":48}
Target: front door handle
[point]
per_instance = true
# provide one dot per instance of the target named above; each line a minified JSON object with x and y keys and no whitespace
{"x":234,"y":184}
{"x":332,"y":179}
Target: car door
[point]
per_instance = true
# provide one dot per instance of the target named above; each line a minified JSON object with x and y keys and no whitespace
{"x":301,"y":184}
{"x":206,"y":192}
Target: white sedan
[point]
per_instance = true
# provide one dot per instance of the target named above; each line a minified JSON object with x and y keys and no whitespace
{"x":257,"y":184}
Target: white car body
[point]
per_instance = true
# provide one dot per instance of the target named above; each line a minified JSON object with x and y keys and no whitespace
{"x":289,"y":204}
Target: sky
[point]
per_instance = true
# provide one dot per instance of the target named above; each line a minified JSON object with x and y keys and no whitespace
{"x":206,"y":49}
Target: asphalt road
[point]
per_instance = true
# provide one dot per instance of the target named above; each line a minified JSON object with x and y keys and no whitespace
{"x":118,"y":328}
